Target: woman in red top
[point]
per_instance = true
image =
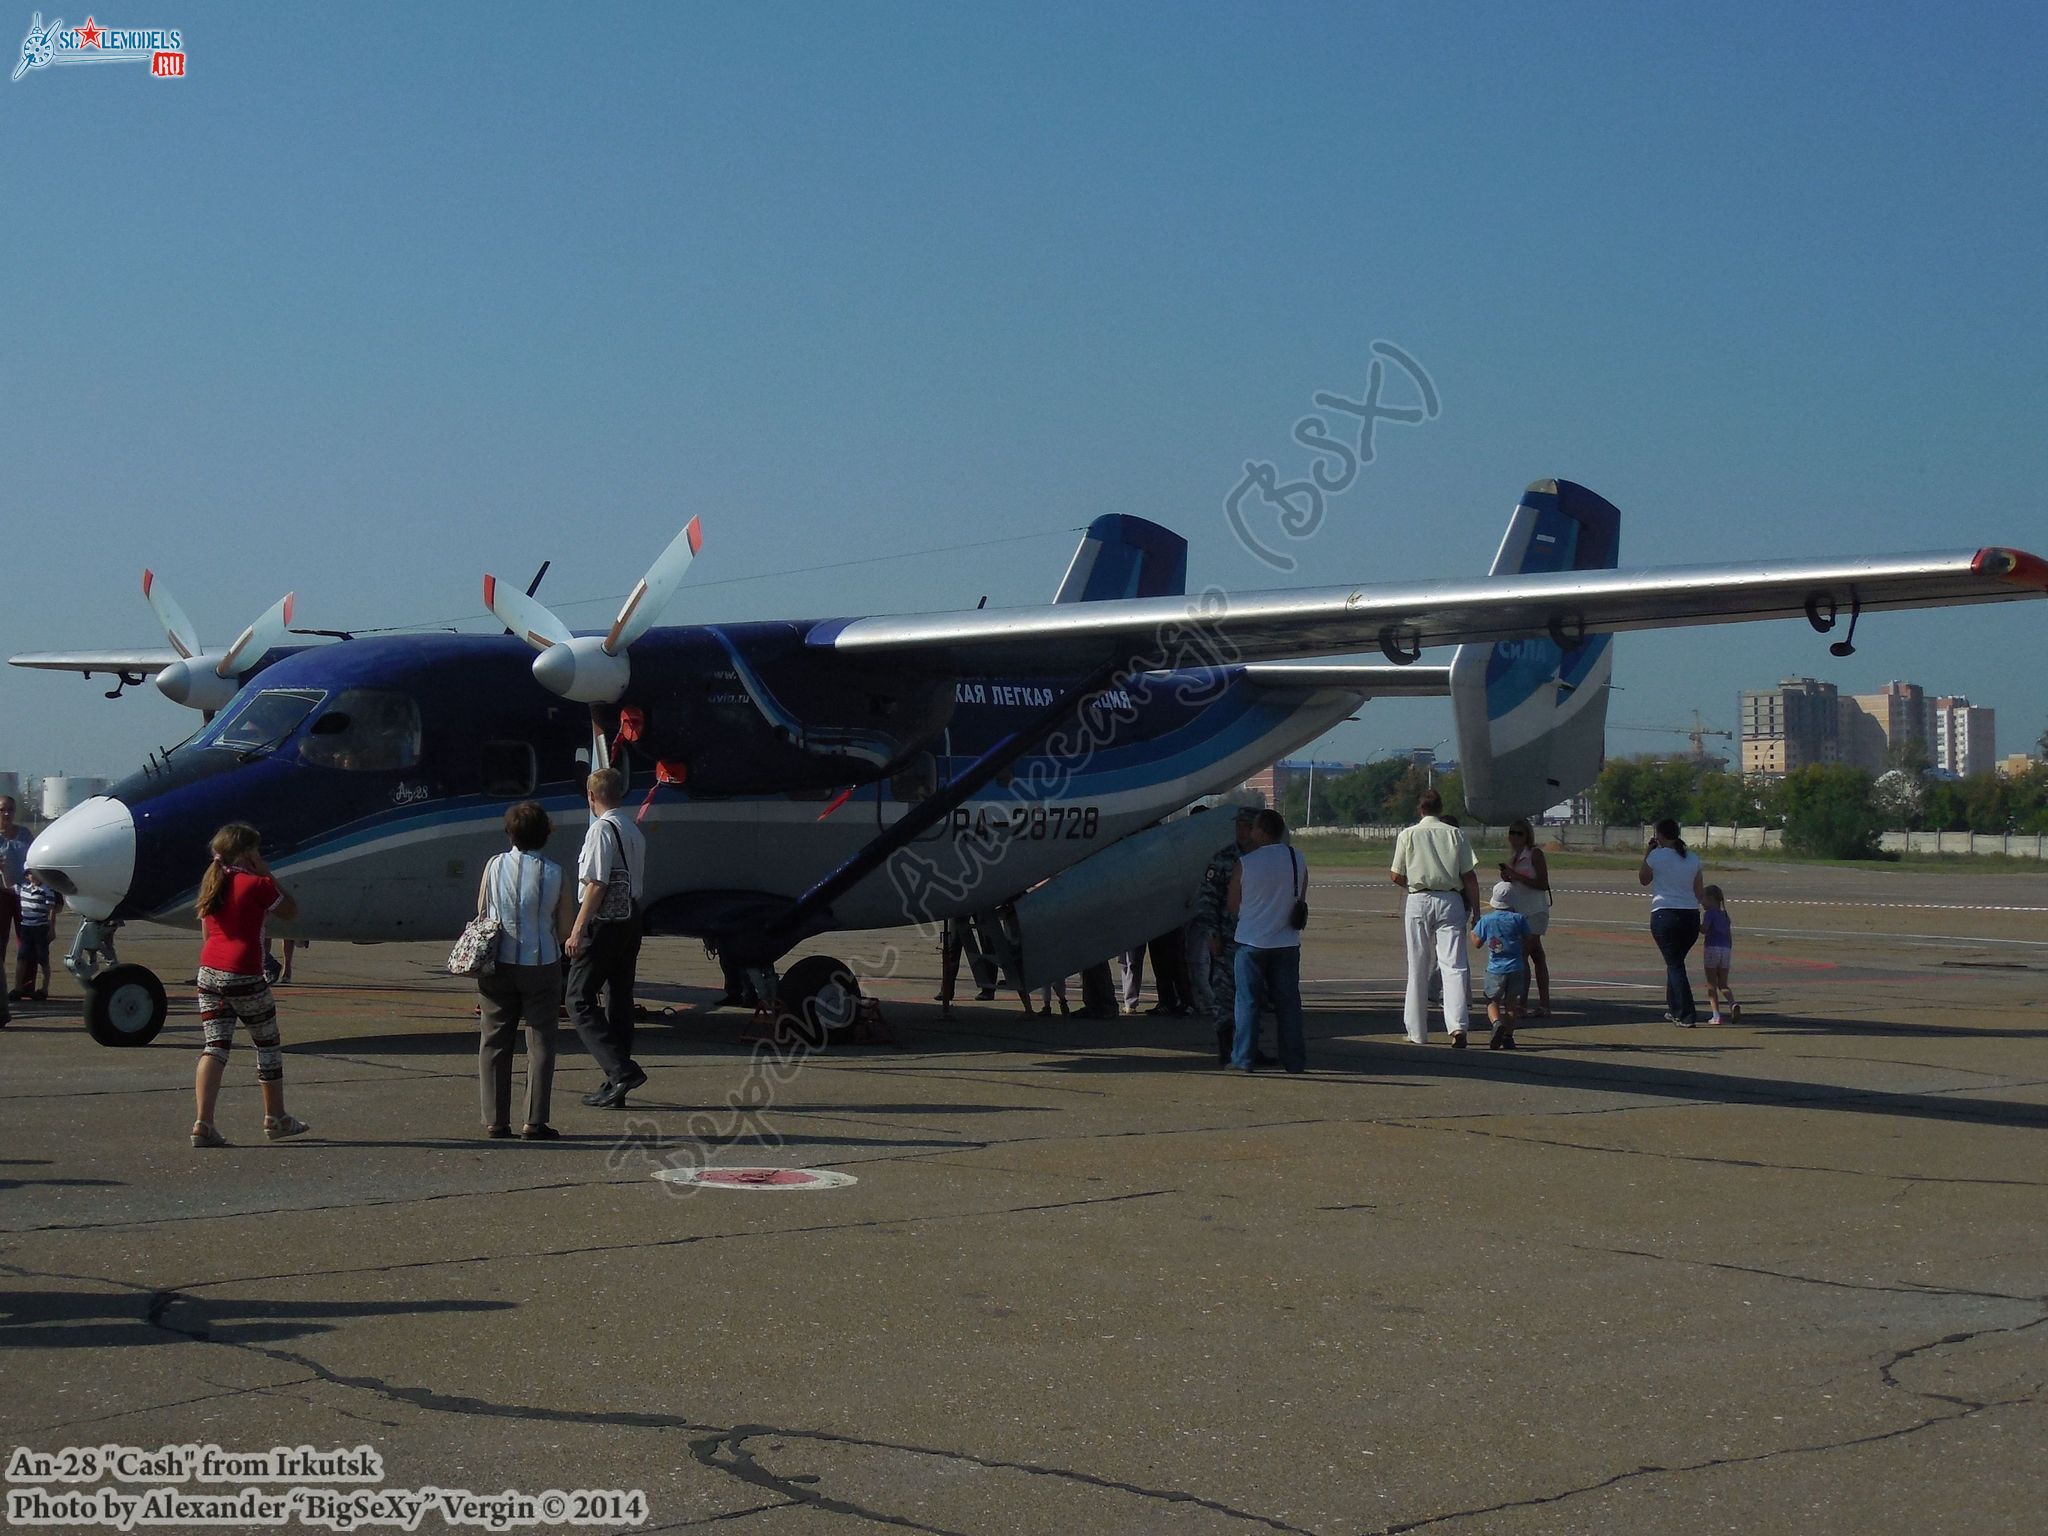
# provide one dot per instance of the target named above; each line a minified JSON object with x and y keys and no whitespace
{"x":237,"y":895}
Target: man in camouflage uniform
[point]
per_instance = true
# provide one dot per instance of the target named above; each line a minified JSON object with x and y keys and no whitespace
{"x":1212,"y":937}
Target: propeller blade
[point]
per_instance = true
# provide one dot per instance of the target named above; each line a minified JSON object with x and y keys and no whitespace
{"x":255,"y":642}
{"x":527,"y":618}
{"x":655,"y":589}
{"x":177,"y":628}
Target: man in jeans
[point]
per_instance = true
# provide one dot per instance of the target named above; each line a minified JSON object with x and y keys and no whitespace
{"x":603,"y":953}
{"x":1268,"y":881}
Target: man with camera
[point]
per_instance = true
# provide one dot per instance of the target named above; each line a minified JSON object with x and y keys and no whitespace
{"x":1269,"y":899}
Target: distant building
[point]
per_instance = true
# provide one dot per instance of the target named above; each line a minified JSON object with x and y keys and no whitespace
{"x":1269,"y":784}
{"x":2016,"y":764}
{"x":1794,"y":725}
{"x":1876,"y":725}
{"x":1965,"y":737}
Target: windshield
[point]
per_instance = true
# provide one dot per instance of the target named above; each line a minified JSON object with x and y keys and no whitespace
{"x":267,"y":719}
{"x":365,"y":730}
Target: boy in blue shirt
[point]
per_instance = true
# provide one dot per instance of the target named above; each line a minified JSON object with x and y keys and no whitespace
{"x":1504,"y":934}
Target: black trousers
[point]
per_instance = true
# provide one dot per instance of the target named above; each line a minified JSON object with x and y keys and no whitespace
{"x":1676,"y":930}
{"x":607,"y":966}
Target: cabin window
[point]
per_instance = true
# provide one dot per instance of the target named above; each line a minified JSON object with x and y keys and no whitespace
{"x":365,"y":730}
{"x":262,"y":724}
{"x":510,"y":769}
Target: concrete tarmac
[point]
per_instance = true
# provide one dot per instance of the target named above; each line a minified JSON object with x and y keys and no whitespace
{"x":1782,"y":1276}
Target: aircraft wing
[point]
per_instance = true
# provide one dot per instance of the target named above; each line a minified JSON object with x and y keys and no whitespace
{"x":89,"y":662}
{"x":1218,"y":627}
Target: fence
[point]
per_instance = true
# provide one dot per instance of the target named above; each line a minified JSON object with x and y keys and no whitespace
{"x":2015,"y":845}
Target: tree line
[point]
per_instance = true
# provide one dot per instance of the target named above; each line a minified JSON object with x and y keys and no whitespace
{"x":1827,"y":810}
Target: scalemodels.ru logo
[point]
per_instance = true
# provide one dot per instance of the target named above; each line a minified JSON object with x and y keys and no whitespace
{"x":161,"y":48}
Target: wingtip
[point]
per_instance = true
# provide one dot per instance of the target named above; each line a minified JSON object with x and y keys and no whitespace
{"x":2013,"y":565}
{"x":696,"y":532}
{"x":148,"y":580}
{"x":291,"y":603}
{"x":490,"y":592}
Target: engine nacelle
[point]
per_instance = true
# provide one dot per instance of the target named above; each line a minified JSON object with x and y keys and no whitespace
{"x":197,"y":684}
{"x":581,"y":669}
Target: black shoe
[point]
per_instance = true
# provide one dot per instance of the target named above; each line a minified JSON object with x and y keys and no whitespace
{"x":634,"y":1078}
{"x":42,"y":994}
{"x":1223,"y":1047}
{"x":985,"y":995}
{"x":732,"y":1000}
{"x":1458,"y":1040}
{"x":599,"y":1099}
{"x":540,"y":1133}
{"x":497,"y":1132}
{"x":1261,"y":1059}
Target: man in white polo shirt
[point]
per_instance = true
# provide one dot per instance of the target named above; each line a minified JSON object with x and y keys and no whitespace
{"x":1433,"y":862}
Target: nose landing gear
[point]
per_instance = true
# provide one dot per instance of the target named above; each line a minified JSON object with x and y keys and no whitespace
{"x":124,"y":1004}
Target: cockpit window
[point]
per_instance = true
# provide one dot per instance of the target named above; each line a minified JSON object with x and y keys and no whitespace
{"x":265,"y":721}
{"x":365,"y":730}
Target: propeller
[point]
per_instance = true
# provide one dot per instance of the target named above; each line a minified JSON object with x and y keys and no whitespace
{"x":593,"y":669}
{"x":199,"y":679}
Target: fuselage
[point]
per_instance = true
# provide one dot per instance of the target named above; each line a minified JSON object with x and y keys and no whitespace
{"x":379,"y":770}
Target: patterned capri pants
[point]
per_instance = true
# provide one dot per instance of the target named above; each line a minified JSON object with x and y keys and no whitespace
{"x":224,"y":998}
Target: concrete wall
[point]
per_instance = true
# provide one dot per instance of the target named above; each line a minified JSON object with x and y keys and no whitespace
{"x":1630,"y":839}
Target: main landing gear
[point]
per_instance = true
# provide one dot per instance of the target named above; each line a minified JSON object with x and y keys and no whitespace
{"x":124,"y":1004}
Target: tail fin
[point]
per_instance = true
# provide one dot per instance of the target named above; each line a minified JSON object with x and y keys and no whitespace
{"x":1124,"y":556}
{"x":1532,"y":715}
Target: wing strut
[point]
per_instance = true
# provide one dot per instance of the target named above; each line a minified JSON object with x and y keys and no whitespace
{"x":811,"y":913}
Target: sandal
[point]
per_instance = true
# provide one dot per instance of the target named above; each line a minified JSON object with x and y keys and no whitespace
{"x":277,"y":1127}
{"x":204,"y":1135}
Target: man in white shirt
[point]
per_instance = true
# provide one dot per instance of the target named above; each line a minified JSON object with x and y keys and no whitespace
{"x":1264,"y":888}
{"x":604,"y":952}
{"x":1433,"y":862}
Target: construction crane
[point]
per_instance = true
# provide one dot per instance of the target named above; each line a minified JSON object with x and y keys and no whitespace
{"x":1697,"y":733}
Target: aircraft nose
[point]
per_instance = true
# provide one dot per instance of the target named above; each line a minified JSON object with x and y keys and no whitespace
{"x":87,"y":855}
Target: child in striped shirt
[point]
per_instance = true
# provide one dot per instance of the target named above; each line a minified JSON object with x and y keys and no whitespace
{"x":38,"y":920}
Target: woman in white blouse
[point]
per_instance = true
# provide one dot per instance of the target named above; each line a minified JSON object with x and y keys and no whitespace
{"x":530,"y":899}
{"x":1676,"y":880}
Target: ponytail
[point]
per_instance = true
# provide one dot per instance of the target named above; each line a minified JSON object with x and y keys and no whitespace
{"x":232,"y":843}
{"x":1668,"y":830}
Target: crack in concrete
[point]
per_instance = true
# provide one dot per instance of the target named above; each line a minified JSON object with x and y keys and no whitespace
{"x":685,"y":1241}
{"x":737,"y":1461}
{"x":1711,"y":1161}
{"x":1965,"y":1408}
{"x":1711,"y":1464}
{"x":1907,"y":1288}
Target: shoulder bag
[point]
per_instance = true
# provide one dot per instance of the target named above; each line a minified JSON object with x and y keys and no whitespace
{"x":476,"y":952}
{"x":617,"y":905}
{"x":1297,"y":916}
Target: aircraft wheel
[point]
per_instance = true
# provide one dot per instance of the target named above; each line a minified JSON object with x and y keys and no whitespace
{"x":819,"y":999}
{"x":125,"y":1006}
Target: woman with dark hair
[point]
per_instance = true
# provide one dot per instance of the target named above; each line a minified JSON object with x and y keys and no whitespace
{"x":1676,"y":880}
{"x":528,"y":896}
{"x":1527,"y":873}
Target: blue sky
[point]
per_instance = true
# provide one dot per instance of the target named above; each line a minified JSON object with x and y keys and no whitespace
{"x":378,"y":298}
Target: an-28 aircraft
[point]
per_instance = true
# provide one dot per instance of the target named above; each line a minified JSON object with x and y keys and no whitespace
{"x":801,"y":777}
